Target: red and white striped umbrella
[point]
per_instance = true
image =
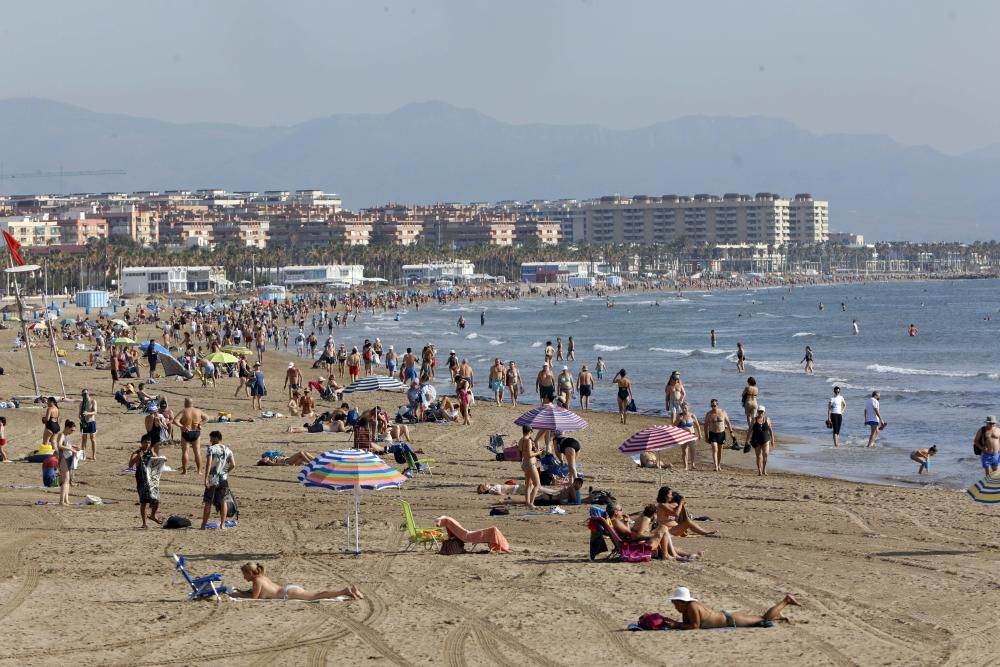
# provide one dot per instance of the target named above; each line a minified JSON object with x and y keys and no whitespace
{"x":655,"y":438}
{"x":551,"y":417}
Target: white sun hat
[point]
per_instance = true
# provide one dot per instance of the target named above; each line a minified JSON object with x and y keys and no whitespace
{"x":682,"y":594}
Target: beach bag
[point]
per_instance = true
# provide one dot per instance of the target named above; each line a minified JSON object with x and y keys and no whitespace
{"x":499,"y":510}
{"x":631,"y":405}
{"x":232,"y":507}
{"x":636,"y":552}
{"x":829,"y":423}
{"x":652,"y":621}
{"x":452,"y":547}
{"x":976,"y":448}
{"x":511,"y":454}
{"x":175,"y":521}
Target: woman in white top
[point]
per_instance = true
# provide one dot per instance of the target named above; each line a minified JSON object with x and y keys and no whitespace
{"x":835,"y":409}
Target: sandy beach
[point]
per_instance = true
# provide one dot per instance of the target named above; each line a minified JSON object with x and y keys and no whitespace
{"x":885,"y":575}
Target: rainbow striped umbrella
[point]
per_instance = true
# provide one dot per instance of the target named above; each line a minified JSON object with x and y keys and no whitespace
{"x":351,"y":469}
{"x":655,"y":438}
{"x":551,"y":417}
{"x":986,"y":490}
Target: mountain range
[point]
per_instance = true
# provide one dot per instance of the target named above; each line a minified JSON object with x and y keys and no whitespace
{"x":432,"y":151}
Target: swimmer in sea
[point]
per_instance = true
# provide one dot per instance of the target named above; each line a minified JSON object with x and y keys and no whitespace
{"x":808,"y":361}
{"x":855,"y":328}
{"x":741,"y":357}
{"x":711,"y":335}
{"x":913,"y":330}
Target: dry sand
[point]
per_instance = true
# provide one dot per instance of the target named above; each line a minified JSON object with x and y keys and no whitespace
{"x":885,"y":575}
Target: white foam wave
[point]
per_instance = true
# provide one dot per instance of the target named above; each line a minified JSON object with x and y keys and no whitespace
{"x":667,"y":350}
{"x":459,"y":309}
{"x":508,"y":308}
{"x":472,"y":335}
{"x":897,"y":370}
{"x":495,"y":341}
{"x":537,"y":343}
{"x":775,"y":366}
{"x":836,"y":380}
{"x":800,"y":334}
{"x":608,"y":348}
{"x":713,"y":351}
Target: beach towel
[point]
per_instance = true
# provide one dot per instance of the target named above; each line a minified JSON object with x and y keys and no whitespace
{"x":491,"y":536}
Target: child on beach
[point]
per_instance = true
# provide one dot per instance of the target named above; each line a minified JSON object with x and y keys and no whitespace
{"x":923,"y":457}
{"x":265,"y":589}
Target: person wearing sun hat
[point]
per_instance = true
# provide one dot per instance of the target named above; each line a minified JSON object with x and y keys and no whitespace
{"x":293,"y":378}
{"x":696,"y":616}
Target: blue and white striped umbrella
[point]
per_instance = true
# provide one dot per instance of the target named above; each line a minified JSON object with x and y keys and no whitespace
{"x":551,"y":417}
{"x":986,"y":490}
{"x":375,"y":383}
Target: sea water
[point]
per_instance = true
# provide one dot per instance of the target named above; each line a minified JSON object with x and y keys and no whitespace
{"x":937,"y":387}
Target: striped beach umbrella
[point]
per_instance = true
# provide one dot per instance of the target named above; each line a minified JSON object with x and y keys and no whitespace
{"x":551,"y":417}
{"x":236,"y":349}
{"x":986,"y":490}
{"x":655,"y":438}
{"x":351,"y":470}
{"x":375,"y":383}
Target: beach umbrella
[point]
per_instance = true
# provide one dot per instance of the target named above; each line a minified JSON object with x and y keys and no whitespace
{"x":123,"y":340}
{"x":351,"y":470}
{"x":375,"y":383}
{"x":236,"y":349}
{"x":38,"y":326}
{"x":156,"y":347}
{"x":986,"y":490}
{"x":655,"y":438}
{"x":221,"y":358}
{"x":172,"y":366}
{"x":551,"y":417}
{"x":119,"y":324}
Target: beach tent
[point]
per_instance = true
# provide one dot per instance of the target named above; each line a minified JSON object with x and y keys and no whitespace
{"x":351,"y":470}
{"x":156,"y":348}
{"x":172,"y":366}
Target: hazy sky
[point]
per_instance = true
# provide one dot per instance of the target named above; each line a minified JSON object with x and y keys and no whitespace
{"x":922,"y":71}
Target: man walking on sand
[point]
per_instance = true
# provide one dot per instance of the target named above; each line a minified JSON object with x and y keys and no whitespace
{"x":190,"y":420}
{"x":219,"y":462}
{"x":835,"y":409}
{"x":293,"y":378}
{"x":716,"y":424}
{"x":873,"y":417}
{"x":987,"y":443}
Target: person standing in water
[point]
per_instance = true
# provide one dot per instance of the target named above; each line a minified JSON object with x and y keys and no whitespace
{"x":741,"y":357}
{"x":585,"y":386}
{"x":749,"y":399}
{"x":624,"y":394}
{"x":923,"y":457}
{"x":711,"y":335}
{"x":855,"y":329}
{"x":482,"y":318}
{"x":808,"y":361}
{"x":835,"y":409}
{"x":600,"y":368}
{"x":873,"y":417}
{"x":987,"y":445}
{"x":570,"y":350}
{"x":912,"y":330}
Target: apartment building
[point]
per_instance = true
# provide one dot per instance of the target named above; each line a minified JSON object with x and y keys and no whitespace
{"x":32,"y":230}
{"x":80,"y":229}
{"x":703,"y":218}
{"x":543,"y":232}
{"x":249,"y":233}
{"x":132,"y":221}
{"x":390,"y":232}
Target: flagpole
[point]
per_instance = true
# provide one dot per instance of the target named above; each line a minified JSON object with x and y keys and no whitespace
{"x":24,"y":328}
{"x":55,"y":350}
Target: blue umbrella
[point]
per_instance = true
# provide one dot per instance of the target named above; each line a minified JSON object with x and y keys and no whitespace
{"x":156,"y":348}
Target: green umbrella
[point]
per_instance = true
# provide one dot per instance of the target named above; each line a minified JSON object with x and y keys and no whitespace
{"x":221,"y":358}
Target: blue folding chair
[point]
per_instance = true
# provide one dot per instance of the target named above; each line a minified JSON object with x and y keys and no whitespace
{"x":201,"y":587}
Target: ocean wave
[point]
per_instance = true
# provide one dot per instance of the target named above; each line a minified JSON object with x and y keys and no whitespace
{"x":495,"y":341}
{"x":775,"y":366}
{"x":450,"y":333}
{"x":458,"y":309}
{"x":802,"y":333}
{"x":508,"y":308}
{"x":608,"y":348}
{"x":713,"y":351}
{"x":836,"y":380}
{"x":537,"y":343}
{"x":472,"y":335}
{"x":897,"y":370}
{"x":771,"y":315}
{"x":667,"y":350}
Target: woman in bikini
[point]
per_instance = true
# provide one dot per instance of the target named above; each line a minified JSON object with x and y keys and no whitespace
{"x":529,"y":464}
{"x":624,"y":394}
{"x":643,"y":531}
{"x":689,"y":422}
{"x":761,"y":433}
{"x":749,"y":399}
{"x":671,"y":511}
{"x":512,"y":380}
{"x":265,"y":589}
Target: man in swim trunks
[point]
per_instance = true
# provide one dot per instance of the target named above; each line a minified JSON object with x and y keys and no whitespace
{"x":293,"y":378}
{"x":674,"y":393}
{"x":988,"y":442}
{"x":696,"y":616}
{"x":716,"y":424}
{"x":545,"y":384}
{"x":190,"y":420}
{"x":923,"y":457}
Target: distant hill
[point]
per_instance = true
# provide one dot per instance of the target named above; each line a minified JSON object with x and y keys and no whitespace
{"x":432,"y":151}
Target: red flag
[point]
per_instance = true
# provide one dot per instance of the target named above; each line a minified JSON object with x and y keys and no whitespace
{"x":15,"y":248}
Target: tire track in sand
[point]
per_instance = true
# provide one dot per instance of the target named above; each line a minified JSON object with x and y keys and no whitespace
{"x":454,"y":645}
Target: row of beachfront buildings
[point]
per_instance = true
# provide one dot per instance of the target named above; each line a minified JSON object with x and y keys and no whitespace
{"x":309,"y":218}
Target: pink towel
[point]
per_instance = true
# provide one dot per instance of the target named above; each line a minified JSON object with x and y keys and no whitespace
{"x":491,"y":536}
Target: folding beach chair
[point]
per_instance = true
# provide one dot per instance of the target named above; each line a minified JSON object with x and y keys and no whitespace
{"x":201,"y":587}
{"x":627,"y":552}
{"x":429,"y":537}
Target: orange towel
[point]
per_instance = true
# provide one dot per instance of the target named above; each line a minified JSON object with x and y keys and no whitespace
{"x":491,"y":536}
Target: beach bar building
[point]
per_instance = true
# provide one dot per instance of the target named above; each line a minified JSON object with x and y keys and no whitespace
{"x":172,"y":279}
{"x":322,"y":274}
{"x":92,"y":298}
{"x":461,"y":270}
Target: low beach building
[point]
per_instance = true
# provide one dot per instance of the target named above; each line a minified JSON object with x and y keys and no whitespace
{"x":457,"y":271}
{"x":172,"y":279}
{"x":322,"y":274}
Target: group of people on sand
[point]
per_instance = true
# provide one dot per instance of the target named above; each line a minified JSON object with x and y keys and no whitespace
{"x":657,"y":524}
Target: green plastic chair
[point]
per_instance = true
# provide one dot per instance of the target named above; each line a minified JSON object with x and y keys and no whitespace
{"x":429,"y":537}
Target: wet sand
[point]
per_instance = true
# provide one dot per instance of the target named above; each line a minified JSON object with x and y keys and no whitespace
{"x":885,"y":575}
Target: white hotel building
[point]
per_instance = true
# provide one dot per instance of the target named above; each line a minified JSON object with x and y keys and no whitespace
{"x":731,"y":218}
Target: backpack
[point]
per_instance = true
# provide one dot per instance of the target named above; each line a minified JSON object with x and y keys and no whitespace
{"x":175,"y":521}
